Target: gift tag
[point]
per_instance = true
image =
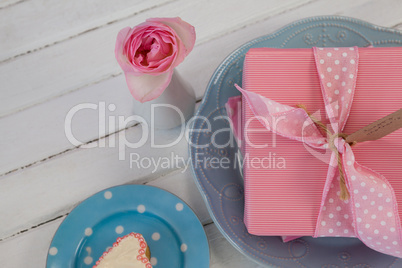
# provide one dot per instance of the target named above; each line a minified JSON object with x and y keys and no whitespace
{"x":378,"y":129}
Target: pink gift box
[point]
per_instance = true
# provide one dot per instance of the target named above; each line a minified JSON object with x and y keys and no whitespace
{"x":284,"y":181}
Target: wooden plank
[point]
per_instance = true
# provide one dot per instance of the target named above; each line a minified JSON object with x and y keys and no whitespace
{"x":25,"y":31}
{"x":71,"y":177}
{"x":36,"y":133}
{"x":44,"y":124}
{"x":8,"y":3}
{"x":377,"y":12}
{"x":30,"y":249}
{"x":85,"y":59}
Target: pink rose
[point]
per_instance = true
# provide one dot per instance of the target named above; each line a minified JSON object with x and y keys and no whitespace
{"x":149,"y":52}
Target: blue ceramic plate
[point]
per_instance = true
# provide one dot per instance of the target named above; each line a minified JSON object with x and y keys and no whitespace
{"x":173,"y":232}
{"x":222,"y":188}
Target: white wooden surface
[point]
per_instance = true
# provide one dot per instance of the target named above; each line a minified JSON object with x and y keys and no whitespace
{"x":57,"y":54}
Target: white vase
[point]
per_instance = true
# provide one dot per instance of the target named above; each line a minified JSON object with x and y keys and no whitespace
{"x":172,"y":108}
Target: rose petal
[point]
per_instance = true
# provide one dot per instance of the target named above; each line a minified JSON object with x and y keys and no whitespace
{"x":147,"y":87}
{"x":119,"y":48}
{"x":184,"y":31}
{"x":161,"y":65}
{"x":159,"y":49}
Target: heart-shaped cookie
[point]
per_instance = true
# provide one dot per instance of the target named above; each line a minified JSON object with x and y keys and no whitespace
{"x":130,"y":251}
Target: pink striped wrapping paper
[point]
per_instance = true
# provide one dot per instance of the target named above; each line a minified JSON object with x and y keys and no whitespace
{"x":284,"y":197}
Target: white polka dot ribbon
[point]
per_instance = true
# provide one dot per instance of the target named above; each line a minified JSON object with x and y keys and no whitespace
{"x":371,"y":213}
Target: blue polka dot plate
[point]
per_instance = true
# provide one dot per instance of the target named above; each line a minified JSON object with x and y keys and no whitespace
{"x":222,"y":187}
{"x":173,"y":232}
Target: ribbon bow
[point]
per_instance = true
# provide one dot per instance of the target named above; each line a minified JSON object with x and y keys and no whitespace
{"x":371,"y":212}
